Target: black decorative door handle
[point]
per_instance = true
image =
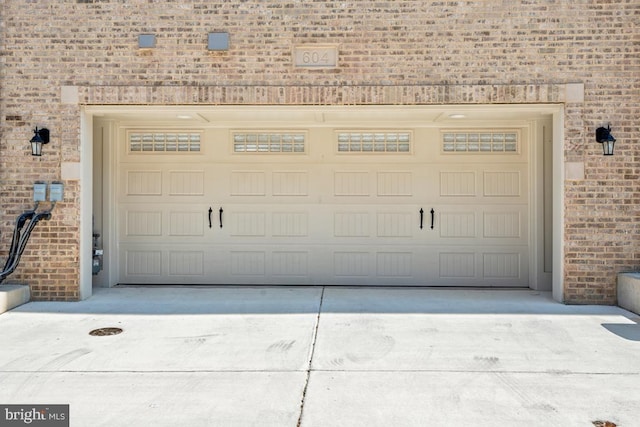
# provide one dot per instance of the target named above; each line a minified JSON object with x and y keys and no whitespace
{"x":433,"y":217}
{"x":421,"y":217}
{"x":210,"y":212}
{"x":220,"y":212}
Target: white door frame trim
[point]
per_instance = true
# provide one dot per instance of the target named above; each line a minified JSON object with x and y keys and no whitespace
{"x":558,"y":205}
{"x":86,"y":196}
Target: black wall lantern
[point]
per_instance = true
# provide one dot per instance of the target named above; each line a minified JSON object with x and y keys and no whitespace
{"x":604,"y":137}
{"x":40,"y":138}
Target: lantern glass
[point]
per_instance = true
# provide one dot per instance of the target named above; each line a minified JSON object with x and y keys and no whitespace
{"x":607,"y":146}
{"x":36,"y":148}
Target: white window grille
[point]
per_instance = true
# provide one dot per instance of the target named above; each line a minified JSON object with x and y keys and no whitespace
{"x":162,"y":142}
{"x":374,"y":142}
{"x":269,"y":142}
{"x":480,"y":142}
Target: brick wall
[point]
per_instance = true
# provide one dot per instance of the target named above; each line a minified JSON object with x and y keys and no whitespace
{"x":428,"y":52}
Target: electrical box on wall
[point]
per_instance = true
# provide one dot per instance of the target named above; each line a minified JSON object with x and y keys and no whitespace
{"x":56,"y":192}
{"x":39,"y":191}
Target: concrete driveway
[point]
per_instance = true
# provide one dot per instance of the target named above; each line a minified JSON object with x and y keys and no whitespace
{"x":313,"y":356}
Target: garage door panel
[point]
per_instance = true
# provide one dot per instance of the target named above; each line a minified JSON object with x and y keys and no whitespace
{"x":395,"y":264}
{"x":505,"y":224}
{"x":142,"y":263}
{"x":352,"y":183}
{"x":147,"y":262}
{"x":352,"y":263}
{"x":143,"y":183}
{"x":248,"y":183}
{"x":262,"y":264}
{"x":396,"y":224}
{"x":490,"y":183}
{"x":468,"y":266}
{"x":290,"y":263}
{"x":290,"y":224}
{"x":247,"y":224}
{"x":456,"y":264}
{"x":384,"y":265}
{"x":501,"y":265}
{"x":186,"y":223}
{"x":324,"y":216}
{"x":290,"y":183}
{"x":497,"y":224}
{"x":186,"y":263}
{"x":351,"y":224}
{"x":502,"y":225}
{"x":457,"y":224}
{"x":138,"y":185}
{"x":278,"y":180}
{"x":186,"y":183}
{"x":158,"y":222}
{"x":383,"y":186}
{"x":248,"y":262}
{"x":394,"y":183}
{"x":502,"y":183}
{"x":458,"y":183}
{"x":254,"y":222}
{"x":314,"y":223}
{"x":144,"y":223}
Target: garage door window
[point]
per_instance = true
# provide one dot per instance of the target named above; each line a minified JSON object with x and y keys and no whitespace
{"x":159,"y":142}
{"x":269,"y":142}
{"x":378,"y":142}
{"x":480,"y":142}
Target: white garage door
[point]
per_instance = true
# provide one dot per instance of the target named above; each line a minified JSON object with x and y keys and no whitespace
{"x":323,"y":205}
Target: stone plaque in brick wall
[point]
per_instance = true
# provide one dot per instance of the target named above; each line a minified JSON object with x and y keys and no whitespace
{"x":315,"y":56}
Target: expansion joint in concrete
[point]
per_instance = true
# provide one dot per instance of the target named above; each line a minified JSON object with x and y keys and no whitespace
{"x":310,"y":362}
